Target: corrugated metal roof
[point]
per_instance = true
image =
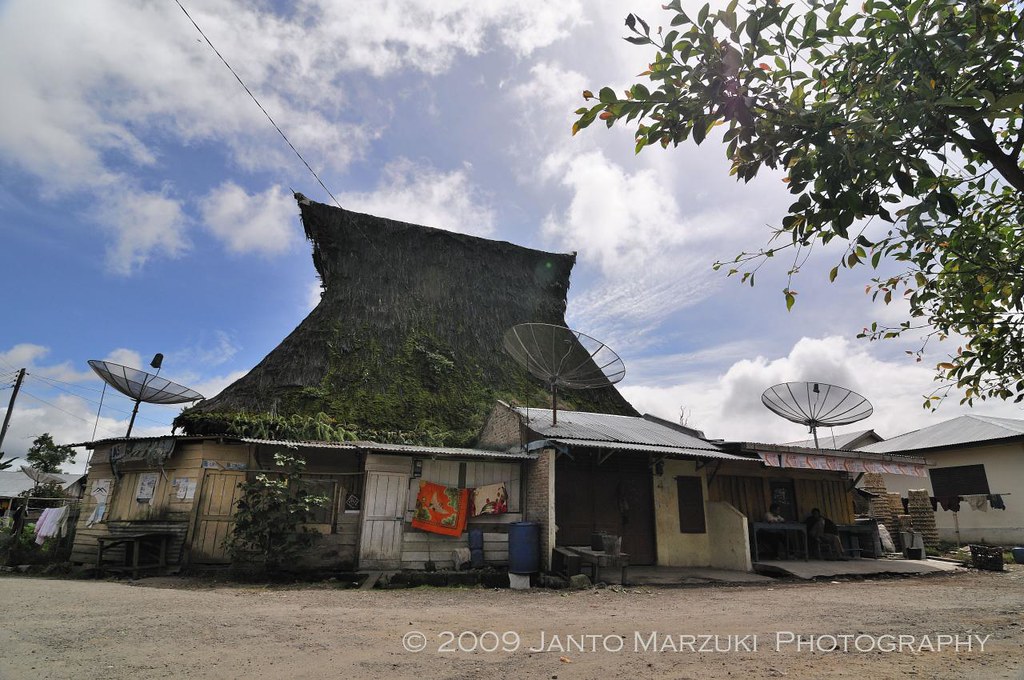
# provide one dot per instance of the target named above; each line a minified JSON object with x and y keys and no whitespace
{"x":407,"y":449}
{"x":291,"y":444}
{"x":835,"y":441}
{"x":401,"y":449}
{"x":670,"y":451}
{"x":959,"y":431}
{"x":609,"y":428}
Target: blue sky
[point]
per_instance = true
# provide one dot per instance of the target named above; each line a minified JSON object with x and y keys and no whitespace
{"x":145,"y":202}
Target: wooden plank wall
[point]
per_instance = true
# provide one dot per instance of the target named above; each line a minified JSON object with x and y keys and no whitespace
{"x":420,"y":546}
{"x":750,"y":495}
{"x":164,"y":512}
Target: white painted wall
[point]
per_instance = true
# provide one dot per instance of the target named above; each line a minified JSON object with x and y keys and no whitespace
{"x":1004,"y":468}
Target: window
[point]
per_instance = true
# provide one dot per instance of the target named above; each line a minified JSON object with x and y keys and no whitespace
{"x":691,"y":505}
{"x":321,"y":487}
{"x":959,"y":480}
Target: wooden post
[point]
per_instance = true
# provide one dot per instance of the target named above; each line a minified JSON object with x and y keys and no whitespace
{"x":10,"y":406}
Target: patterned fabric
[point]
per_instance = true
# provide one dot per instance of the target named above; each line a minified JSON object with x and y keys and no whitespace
{"x":491,"y":499}
{"x":441,"y":509}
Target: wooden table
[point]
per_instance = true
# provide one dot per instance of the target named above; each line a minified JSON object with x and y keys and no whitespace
{"x":599,"y":558}
{"x":133,"y":551}
{"x":794,"y":534}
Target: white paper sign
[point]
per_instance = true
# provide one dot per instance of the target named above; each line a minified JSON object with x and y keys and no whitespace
{"x":147,"y":486}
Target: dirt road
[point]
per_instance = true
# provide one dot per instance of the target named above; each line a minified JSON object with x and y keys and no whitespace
{"x":177,"y":628}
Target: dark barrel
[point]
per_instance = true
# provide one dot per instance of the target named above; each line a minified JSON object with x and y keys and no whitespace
{"x":523,"y":547}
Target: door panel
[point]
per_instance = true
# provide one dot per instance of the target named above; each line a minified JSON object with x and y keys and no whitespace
{"x":616,"y":496}
{"x":380,"y":546}
{"x":215,"y":518}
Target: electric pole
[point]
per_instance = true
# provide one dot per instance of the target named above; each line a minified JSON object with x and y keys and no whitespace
{"x":10,"y":406}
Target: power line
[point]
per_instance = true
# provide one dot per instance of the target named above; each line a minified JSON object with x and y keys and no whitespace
{"x":65,"y":411}
{"x":78,"y":396}
{"x":257,"y":101}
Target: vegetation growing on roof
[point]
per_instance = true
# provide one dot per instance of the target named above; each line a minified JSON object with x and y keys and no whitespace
{"x":405,"y":345}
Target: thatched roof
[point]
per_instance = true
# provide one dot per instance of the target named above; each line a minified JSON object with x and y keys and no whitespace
{"x":406,"y":341}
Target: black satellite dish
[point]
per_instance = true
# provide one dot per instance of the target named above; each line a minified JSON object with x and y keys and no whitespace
{"x":142,"y":386}
{"x":562,"y":357}
{"x":815,"y":404}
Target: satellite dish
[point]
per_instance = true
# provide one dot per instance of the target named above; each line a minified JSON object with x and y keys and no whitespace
{"x":142,"y":386}
{"x":562,"y":357}
{"x":816,"y":403}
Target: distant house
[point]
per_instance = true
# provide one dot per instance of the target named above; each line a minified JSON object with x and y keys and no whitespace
{"x":846,"y":441}
{"x":14,"y":484}
{"x":970,"y":457}
{"x":675,"y":497}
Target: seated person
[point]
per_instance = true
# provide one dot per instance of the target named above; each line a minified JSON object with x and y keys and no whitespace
{"x":772,"y":544}
{"x":821,"y":531}
{"x":772,"y":515}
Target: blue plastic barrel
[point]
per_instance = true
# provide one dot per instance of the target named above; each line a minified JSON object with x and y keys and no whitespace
{"x":476,"y":539}
{"x":1018,"y":555}
{"x":523,"y":547}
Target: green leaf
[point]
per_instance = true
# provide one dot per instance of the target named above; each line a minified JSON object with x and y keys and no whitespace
{"x":607,"y":95}
{"x":1010,"y":101}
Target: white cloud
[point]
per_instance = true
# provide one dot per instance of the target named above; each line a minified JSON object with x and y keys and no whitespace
{"x":211,"y":387}
{"x":142,"y":223}
{"x":126,"y":357}
{"x":728,"y":405}
{"x":96,"y":92}
{"x":382,"y":37}
{"x":261,"y":223}
{"x":30,"y":357}
{"x":424,"y":195}
{"x":313,"y":294}
{"x":207,"y":352}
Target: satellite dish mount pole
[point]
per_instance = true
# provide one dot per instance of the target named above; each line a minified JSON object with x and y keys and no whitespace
{"x":554,"y":403}
{"x":157,"y":363}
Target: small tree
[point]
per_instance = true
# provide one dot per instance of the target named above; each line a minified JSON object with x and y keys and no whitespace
{"x":270,"y":514}
{"x":908,"y":113}
{"x":6,"y":464}
{"x":46,"y":456}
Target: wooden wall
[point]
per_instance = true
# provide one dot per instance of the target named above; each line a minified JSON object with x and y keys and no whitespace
{"x":164,"y":512}
{"x":747,"y":489}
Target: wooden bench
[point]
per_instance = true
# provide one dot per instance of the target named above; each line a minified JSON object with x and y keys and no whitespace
{"x":135,"y":548}
{"x":599,"y":558}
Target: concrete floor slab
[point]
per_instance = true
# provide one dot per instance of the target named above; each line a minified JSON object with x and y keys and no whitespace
{"x":860,"y":567}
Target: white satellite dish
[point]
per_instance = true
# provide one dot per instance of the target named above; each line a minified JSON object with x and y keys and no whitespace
{"x":143,"y":386}
{"x":816,"y":404}
{"x":562,"y":357}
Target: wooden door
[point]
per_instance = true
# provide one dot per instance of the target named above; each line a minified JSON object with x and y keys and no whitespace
{"x":615,"y":495}
{"x":215,"y":517}
{"x":384,"y":499}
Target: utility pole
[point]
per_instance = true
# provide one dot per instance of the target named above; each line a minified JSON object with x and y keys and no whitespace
{"x":10,"y":407}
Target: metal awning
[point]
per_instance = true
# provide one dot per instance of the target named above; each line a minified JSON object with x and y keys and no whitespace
{"x":856,"y":464}
{"x":667,"y":451}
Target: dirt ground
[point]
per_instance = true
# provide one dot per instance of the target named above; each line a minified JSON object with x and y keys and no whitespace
{"x":195,"y":628}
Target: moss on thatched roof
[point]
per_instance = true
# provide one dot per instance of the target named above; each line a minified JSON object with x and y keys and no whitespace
{"x":405,"y":344}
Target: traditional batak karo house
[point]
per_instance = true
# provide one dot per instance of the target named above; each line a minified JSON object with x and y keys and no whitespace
{"x":382,"y":388}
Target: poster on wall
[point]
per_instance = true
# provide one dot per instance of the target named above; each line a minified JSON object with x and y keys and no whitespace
{"x":147,"y":486}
